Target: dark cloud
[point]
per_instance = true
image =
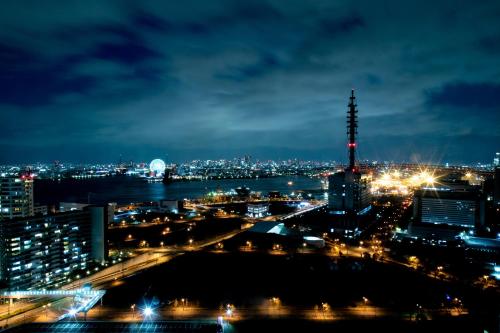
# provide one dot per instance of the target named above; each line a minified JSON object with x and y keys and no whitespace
{"x":265,"y":64}
{"x":467,"y":95}
{"x":269,"y":78}
{"x":335,"y":26}
{"x":128,"y":53}
{"x":28,"y":80}
{"x":490,"y":44}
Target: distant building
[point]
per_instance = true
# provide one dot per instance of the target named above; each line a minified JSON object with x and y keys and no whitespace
{"x":257,"y":210}
{"x":111,"y":211}
{"x":461,"y":208}
{"x":169,"y":206}
{"x":314,"y":241}
{"x":70,"y":206}
{"x":16,"y":197}
{"x":162,"y":206}
{"x":496,"y":189}
{"x":496,"y":160}
{"x":274,"y":195}
{"x":242,"y":192}
{"x":42,"y":251}
{"x":430,"y":232}
{"x":40,"y":210}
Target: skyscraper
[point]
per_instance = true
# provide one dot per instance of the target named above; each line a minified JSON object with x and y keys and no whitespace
{"x":348,"y":190}
{"x":16,"y":197}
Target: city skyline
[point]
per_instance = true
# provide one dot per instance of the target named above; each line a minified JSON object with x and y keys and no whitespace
{"x":267,"y":79}
{"x":249,"y":166}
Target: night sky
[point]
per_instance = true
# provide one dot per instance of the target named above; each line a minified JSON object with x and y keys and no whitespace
{"x":93,"y":80}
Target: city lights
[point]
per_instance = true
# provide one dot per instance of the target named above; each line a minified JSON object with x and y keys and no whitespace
{"x":401,"y":183}
{"x":249,"y":166}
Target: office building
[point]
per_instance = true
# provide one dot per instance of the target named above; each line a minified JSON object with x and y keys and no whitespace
{"x":16,"y":197}
{"x":43,"y":251}
{"x":348,"y":191}
{"x":445,"y":206}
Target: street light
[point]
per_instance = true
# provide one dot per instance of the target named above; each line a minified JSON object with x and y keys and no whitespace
{"x":72,"y":312}
{"x":132,"y":307}
{"x":229,"y":310}
{"x":147,"y":312}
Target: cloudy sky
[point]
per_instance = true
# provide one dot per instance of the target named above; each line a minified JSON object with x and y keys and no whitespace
{"x":93,"y":80}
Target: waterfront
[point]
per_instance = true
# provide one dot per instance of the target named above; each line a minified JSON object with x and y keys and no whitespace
{"x":124,"y":189}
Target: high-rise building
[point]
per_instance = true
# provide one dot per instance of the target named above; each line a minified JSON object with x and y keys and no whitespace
{"x":42,"y":251}
{"x":348,"y":190}
{"x":496,"y":160}
{"x":16,"y":197}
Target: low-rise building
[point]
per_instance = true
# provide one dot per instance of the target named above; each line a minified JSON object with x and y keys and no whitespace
{"x":257,"y":210}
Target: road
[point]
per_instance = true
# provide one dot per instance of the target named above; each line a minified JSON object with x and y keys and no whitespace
{"x":264,"y":311}
{"x":110,"y":275}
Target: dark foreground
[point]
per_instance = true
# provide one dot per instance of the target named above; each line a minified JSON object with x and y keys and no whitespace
{"x":456,"y":325}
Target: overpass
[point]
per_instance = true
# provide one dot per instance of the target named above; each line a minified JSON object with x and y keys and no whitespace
{"x":83,"y":298}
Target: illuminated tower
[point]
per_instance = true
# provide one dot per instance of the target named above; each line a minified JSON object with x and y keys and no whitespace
{"x":348,"y":190}
{"x":352,"y":130}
